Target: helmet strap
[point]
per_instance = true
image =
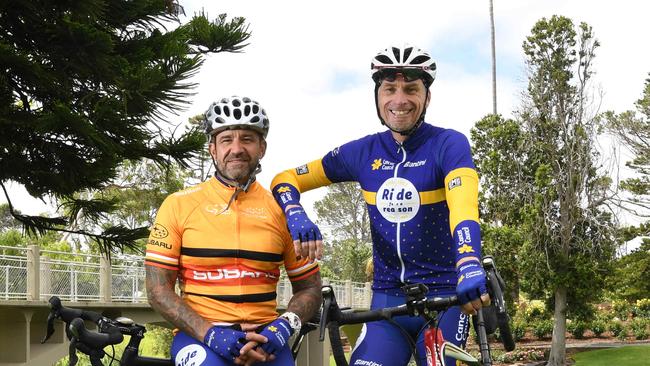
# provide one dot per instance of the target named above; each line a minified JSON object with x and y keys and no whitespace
{"x":410,"y":130}
{"x":244,"y":187}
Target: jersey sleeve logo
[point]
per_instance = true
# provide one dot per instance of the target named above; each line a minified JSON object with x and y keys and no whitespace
{"x":159,"y":232}
{"x":376,"y":164}
{"x":465,"y":249}
{"x":282,"y":189}
{"x":303,"y":169}
{"x":454,"y":183}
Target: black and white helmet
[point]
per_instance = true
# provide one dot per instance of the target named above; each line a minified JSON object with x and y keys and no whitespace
{"x":235,"y":112}
{"x":404,"y":57}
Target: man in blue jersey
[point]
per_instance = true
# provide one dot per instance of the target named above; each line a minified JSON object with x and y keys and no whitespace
{"x":421,"y":192}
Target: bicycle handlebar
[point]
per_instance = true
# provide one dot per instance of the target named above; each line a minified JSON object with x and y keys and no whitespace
{"x":426,"y":305}
{"x":95,"y":340}
{"x":417,"y":304}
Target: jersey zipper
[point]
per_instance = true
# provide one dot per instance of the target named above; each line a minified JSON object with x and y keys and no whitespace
{"x":398,"y":232}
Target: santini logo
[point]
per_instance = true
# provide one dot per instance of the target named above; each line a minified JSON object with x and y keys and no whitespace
{"x":414,"y":164}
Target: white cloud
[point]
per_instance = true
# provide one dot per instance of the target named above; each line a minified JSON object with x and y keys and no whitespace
{"x":308,"y":62}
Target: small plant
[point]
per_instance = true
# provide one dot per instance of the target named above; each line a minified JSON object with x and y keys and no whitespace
{"x":639,"y":328}
{"x":542,"y":328}
{"x":521,"y":355}
{"x":518,"y":330}
{"x":535,"y":310}
{"x":616,"y":328}
{"x":598,"y":327}
{"x":577,"y":328}
{"x":621,"y":309}
{"x":642,"y":308}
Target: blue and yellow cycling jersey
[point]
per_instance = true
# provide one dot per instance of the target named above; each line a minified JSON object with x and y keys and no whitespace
{"x":422,"y":199}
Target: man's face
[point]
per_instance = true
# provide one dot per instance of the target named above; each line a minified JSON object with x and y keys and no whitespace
{"x":401,"y":102}
{"x":237,"y":153}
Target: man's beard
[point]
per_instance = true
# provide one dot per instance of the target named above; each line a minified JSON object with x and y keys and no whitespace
{"x":239,"y":175}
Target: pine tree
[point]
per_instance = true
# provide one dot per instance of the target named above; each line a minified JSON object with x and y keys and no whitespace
{"x":87,"y":85}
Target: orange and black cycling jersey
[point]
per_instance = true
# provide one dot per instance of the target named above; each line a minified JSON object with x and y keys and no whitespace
{"x":228,"y":261}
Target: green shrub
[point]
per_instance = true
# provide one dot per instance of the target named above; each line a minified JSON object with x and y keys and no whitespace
{"x":642,"y":308}
{"x":542,"y":328}
{"x":615,"y":327}
{"x":639,"y":328}
{"x":518,"y":330}
{"x":577,"y":328}
{"x":535,"y":310}
{"x":598,"y":327}
{"x":621,"y":309}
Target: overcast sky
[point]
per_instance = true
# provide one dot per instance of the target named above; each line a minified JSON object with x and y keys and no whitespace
{"x":308,"y":64}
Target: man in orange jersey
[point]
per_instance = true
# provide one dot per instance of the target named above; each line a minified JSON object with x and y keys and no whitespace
{"x":225,"y":240}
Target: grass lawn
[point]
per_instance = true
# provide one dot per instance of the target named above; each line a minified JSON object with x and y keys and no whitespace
{"x":623,"y":356}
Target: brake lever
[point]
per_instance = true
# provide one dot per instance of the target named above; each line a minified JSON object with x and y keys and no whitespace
{"x":328,"y":300}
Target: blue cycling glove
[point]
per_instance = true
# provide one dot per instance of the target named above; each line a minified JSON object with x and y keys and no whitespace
{"x":225,"y":342}
{"x":277,"y":333}
{"x":471,"y":282}
{"x":300,"y":226}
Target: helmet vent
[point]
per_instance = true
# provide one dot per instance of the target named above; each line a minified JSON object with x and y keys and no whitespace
{"x":407,"y":53}
{"x":420,"y":59}
{"x":236,"y":102}
{"x":396,"y":54}
{"x":247,"y":110}
{"x":226,"y":111}
{"x":255,"y":119}
{"x":220,"y":120}
{"x":236,"y":113}
{"x":384,"y":59}
{"x":217,"y":109}
{"x":256,"y":109}
{"x":247,"y":100}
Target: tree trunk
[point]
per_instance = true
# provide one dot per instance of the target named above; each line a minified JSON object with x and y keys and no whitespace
{"x":558,"y":343}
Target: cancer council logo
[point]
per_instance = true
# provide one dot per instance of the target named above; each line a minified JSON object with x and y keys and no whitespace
{"x":397,"y":200}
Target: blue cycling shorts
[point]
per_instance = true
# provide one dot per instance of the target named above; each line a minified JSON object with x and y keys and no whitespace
{"x":384,"y":343}
{"x":188,"y":351}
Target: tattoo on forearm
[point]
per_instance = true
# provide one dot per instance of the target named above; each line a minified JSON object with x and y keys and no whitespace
{"x":306,"y":298}
{"x":163,"y":299}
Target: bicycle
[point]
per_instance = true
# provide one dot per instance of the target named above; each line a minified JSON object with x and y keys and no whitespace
{"x":111,"y":332}
{"x":486,"y":322}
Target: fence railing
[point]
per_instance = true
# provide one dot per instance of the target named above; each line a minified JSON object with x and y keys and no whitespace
{"x":33,"y":274}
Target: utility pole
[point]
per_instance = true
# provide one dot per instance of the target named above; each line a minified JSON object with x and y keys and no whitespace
{"x":494,"y":62}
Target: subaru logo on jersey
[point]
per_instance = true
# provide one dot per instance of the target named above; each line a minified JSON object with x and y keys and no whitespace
{"x":397,"y":200}
{"x":302,"y":170}
{"x":158,"y":231}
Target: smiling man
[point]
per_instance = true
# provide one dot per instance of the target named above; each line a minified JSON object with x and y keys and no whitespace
{"x":421,"y":192}
{"x":225,"y":240}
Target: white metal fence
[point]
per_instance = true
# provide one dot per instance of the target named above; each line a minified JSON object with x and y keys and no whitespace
{"x":13,"y":273}
{"x":88,"y":277}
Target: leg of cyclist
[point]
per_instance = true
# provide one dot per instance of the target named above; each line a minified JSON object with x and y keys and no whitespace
{"x":384,"y":343}
{"x":189,"y":351}
{"x":453,"y":327}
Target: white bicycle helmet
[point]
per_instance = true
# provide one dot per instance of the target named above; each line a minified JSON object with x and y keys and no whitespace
{"x":235,"y":112}
{"x":405,"y":57}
